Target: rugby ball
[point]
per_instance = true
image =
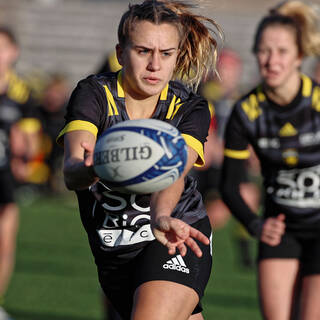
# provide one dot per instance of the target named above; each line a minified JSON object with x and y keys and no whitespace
{"x":140,"y":156}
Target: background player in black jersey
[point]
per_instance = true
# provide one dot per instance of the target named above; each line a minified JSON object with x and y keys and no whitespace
{"x":281,"y":120}
{"x":155,"y":277}
{"x":17,"y":127}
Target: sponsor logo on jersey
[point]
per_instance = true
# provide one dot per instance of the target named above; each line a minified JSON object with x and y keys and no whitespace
{"x":309,"y":139}
{"x":297,"y":187}
{"x":290,"y":157}
{"x":176,"y":264}
{"x":266,"y":143}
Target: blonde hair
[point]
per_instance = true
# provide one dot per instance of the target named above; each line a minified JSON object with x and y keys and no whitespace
{"x":302,"y":18}
{"x":198,"y":42}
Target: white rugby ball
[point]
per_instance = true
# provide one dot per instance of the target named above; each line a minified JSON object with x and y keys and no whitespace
{"x":140,"y":156}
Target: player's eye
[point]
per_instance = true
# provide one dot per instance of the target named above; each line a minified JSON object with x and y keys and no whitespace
{"x":143,"y":51}
{"x":167,"y":53}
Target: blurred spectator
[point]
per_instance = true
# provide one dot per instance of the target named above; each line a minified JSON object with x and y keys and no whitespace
{"x":221,"y":93}
{"x":18,"y":142}
{"x":51,"y":113}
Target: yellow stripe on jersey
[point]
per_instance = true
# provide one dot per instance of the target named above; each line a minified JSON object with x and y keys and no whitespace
{"x":164,"y":93}
{"x":177,"y":107}
{"x":113,"y":111}
{"x":197,"y":146}
{"x":29,"y":125}
{"x":316,"y":99}
{"x":119,"y":85}
{"x":306,"y":86}
{"x":171,"y":108}
{"x":77,"y":125}
{"x":237,"y":154}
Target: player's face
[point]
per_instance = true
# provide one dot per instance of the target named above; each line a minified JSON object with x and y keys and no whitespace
{"x":8,"y":53}
{"x":278,"y":56}
{"x":149,"y":58}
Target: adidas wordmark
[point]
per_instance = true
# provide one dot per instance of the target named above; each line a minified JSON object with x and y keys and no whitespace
{"x":177,"y":264}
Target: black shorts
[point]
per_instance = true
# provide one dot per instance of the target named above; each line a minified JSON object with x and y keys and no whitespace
{"x":119,"y":281}
{"x":306,"y":250}
{"x":7,"y":187}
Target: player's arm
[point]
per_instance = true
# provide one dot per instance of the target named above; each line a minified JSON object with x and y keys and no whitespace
{"x":236,"y":153}
{"x":172,"y":232}
{"x":78,"y":159}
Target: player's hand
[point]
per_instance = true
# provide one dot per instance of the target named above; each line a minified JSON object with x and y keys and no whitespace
{"x":88,"y":154}
{"x":273,"y":230}
{"x":176,"y":234}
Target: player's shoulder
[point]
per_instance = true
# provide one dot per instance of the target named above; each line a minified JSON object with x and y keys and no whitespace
{"x":183,"y":92}
{"x":250,"y":105}
{"x":186,"y":97}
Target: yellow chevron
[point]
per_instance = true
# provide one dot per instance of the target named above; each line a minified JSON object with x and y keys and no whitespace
{"x":288,"y":130}
{"x":113,"y":110}
{"x":251,"y":107}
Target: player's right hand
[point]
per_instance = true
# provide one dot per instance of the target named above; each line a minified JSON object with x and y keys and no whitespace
{"x":176,"y":234}
{"x":273,"y":229}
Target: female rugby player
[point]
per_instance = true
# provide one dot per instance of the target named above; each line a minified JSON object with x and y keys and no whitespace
{"x":281,"y":120}
{"x":158,"y":40}
{"x":18,"y":127}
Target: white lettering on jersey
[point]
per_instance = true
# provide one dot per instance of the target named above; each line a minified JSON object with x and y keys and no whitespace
{"x":309,"y":139}
{"x":121,"y":237}
{"x":298,"y":187}
{"x":113,"y":232}
{"x":266,"y":143}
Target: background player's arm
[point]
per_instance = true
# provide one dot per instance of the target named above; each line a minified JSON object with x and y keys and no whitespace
{"x":78,"y":159}
{"x":171,"y":232}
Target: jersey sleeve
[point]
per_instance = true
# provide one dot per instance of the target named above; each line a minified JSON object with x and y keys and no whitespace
{"x":235,"y":155}
{"x":86,"y":109}
{"x":194,"y":127}
{"x":236,"y":141}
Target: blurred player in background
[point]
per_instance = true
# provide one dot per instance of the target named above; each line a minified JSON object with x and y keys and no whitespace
{"x":157,"y":41}
{"x":18,"y":143}
{"x":51,"y":114}
{"x":222,"y":92}
{"x":281,"y":120}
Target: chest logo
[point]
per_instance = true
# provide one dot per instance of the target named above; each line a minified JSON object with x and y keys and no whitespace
{"x":288,"y":130}
{"x":290,"y":157}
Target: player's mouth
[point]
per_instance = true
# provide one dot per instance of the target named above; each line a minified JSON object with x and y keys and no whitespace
{"x":152,"y":80}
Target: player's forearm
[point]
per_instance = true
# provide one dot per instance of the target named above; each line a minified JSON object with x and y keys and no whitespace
{"x":164,"y":202}
{"x":77,"y":176}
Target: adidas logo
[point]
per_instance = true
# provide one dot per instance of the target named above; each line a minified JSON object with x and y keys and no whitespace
{"x":177,"y":264}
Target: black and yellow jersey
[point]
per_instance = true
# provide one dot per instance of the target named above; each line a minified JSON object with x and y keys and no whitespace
{"x":121,"y":221}
{"x":16,"y":105}
{"x":286,"y":140}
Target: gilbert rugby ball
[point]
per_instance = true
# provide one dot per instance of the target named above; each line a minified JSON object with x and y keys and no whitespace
{"x":140,"y":156}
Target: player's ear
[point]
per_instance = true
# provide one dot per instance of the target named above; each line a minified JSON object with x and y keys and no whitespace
{"x":119,"y":52}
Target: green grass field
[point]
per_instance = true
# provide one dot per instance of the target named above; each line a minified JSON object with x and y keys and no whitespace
{"x":55,"y":276}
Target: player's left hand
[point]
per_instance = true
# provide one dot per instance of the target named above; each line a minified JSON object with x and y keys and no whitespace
{"x":176,"y":234}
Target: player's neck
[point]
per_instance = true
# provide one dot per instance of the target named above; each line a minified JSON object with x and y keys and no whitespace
{"x":141,"y":109}
{"x":284,"y":94}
